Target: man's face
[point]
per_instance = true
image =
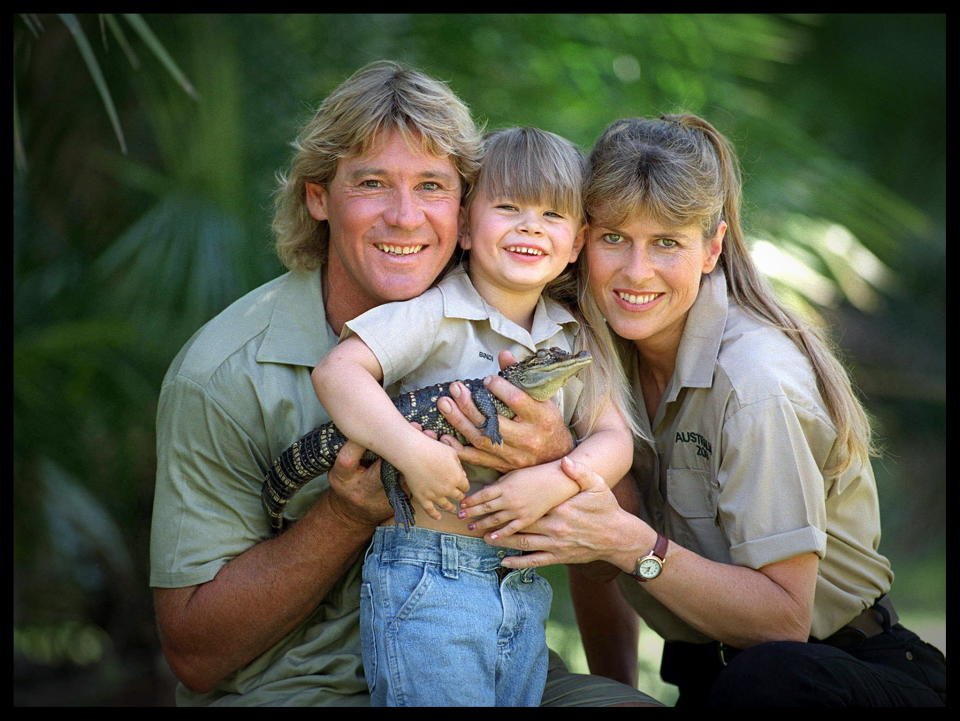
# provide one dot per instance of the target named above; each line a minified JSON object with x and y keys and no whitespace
{"x":393,"y":225}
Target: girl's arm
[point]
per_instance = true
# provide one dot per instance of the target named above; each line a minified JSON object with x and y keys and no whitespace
{"x":347,"y":382}
{"x":521,"y":497}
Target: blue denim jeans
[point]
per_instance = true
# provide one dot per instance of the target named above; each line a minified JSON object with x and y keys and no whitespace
{"x":439,"y":627}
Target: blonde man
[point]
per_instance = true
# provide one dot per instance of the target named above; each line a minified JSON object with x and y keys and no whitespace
{"x":246,"y":619}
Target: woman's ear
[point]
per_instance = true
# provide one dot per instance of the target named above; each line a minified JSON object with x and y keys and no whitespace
{"x":714,"y":247}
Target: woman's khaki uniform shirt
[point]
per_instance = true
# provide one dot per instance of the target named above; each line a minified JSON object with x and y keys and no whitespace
{"x":734,"y":471}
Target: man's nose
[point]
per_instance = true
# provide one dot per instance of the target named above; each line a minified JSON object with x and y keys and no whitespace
{"x":404,"y":210}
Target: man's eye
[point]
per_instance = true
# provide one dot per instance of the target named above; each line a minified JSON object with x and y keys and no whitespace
{"x":371,"y":184}
{"x":430,"y":186}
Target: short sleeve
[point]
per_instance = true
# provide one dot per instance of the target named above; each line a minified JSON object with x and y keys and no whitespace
{"x":401,"y":334}
{"x":771,"y":503}
{"x":207,"y":506}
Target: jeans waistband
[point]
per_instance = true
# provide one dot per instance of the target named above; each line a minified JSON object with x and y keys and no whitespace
{"x":450,"y":551}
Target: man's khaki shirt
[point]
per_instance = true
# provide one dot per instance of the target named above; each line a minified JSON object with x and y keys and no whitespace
{"x":734,"y":469}
{"x":236,"y":396}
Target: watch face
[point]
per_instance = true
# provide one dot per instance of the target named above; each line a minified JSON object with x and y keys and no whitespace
{"x":648,"y":568}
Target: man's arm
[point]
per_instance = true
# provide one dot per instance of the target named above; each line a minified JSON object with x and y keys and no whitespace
{"x":210,"y":630}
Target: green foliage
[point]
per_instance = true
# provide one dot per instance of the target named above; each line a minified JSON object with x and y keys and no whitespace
{"x":142,"y":203}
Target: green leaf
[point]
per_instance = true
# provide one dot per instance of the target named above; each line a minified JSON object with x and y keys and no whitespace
{"x":94,"y":67}
{"x":146,"y":34}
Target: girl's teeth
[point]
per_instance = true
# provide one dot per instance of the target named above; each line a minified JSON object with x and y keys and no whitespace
{"x":400,"y":249}
{"x":527,"y":251}
{"x":637,"y":299}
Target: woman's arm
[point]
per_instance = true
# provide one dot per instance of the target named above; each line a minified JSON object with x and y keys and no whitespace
{"x":734,"y":604}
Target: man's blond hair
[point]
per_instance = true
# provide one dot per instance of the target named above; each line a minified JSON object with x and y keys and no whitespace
{"x":382,"y":96}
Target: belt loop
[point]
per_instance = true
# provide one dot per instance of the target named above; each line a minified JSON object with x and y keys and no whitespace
{"x":449,"y":556}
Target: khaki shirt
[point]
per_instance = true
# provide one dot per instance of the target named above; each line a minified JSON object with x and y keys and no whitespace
{"x":734,"y":472}
{"x":451,"y":333}
{"x":236,"y":396}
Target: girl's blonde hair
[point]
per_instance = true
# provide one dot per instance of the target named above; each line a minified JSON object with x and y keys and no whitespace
{"x":679,"y":169}
{"x":382,"y":96}
{"x":530,"y":165}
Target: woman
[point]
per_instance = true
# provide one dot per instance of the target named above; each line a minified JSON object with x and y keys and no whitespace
{"x":755,"y":522}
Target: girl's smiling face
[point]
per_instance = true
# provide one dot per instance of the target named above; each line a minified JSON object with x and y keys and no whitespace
{"x":645,"y":276}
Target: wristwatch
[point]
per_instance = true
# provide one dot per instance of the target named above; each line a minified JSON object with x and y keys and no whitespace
{"x":650,"y":566}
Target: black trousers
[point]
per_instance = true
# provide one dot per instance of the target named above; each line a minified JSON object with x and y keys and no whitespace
{"x":893,"y":668}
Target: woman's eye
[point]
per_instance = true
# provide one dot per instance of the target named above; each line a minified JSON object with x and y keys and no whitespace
{"x":430,"y":186}
{"x":666,"y":242}
{"x":612,"y":238}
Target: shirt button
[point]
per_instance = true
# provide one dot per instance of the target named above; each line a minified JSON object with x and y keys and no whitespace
{"x":909,"y":656}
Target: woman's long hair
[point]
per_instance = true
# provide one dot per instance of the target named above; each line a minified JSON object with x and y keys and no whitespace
{"x":682,"y":170}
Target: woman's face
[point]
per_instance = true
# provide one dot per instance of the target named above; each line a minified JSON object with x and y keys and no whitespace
{"x":645,"y":277}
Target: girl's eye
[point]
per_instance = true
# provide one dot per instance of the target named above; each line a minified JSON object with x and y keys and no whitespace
{"x":554,"y":214}
{"x":506,"y":206}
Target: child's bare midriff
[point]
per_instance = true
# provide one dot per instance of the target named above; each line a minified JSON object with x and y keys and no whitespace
{"x":448,"y":523}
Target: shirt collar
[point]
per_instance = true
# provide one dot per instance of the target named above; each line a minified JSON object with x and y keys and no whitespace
{"x":298,"y":333}
{"x":702,"y":333}
{"x":461,"y":300}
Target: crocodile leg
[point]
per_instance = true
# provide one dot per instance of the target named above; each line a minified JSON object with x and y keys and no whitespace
{"x":483,"y":400}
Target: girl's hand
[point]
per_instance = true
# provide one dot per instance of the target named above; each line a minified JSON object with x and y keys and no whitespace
{"x":434,"y":477}
{"x":518,"y":499}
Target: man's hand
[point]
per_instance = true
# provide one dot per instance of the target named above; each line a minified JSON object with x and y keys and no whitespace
{"x":536,"y":435}
{"x":357,"y":495}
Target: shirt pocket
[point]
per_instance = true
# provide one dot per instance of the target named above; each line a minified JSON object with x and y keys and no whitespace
{"x":693,"y":497}
{"x":692,"y":493}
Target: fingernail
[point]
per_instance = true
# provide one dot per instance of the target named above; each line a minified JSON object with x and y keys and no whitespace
{"x":493,"y":536}
{"x":461,"y":514}
{"x":455,"y":390}
{"x":471,"y":526}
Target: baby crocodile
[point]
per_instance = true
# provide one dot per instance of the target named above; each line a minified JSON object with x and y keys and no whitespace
{"x":541,"y":376}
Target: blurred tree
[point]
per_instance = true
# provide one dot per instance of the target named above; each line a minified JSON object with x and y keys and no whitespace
{"x":118,"y":257}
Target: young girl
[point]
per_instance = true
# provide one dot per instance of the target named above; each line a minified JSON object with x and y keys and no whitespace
{"x":442,"y":623}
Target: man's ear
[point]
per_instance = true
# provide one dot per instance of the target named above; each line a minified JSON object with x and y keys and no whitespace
{"x":316,"y":198}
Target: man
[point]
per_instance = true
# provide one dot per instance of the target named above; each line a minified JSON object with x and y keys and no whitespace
{"x":367,"y":215}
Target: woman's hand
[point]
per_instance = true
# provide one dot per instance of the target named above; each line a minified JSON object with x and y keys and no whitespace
{"x":589,"y":527}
